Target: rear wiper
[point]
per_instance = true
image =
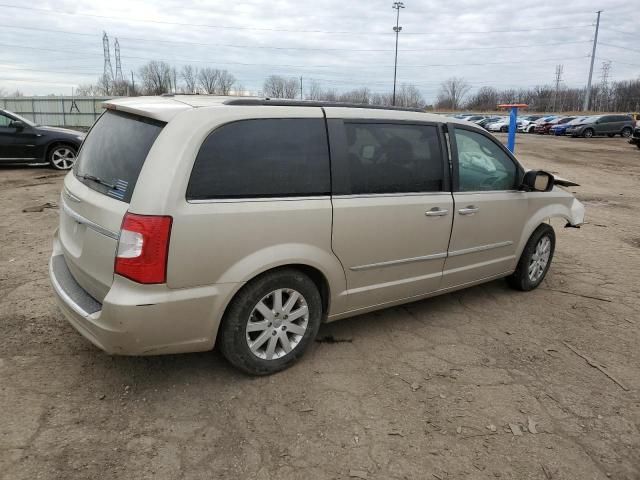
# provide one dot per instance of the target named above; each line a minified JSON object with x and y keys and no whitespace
{"x":93,"y":178}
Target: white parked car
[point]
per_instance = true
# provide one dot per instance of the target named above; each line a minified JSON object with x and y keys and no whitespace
{"x":500,"y":126}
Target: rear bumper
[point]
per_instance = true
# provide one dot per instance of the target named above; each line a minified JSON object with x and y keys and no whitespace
{"x":139,"y":319}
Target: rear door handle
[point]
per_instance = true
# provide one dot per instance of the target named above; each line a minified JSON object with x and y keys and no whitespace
{"x":436,"y":212}
{"x":468,"y":210}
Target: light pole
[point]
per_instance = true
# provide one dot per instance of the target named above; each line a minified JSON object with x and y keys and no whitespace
{"x":397,"y":6}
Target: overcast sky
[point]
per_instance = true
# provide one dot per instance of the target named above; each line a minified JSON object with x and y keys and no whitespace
{"x":51,"y":46}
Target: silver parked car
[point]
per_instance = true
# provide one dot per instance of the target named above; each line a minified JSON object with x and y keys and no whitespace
{"x":194,"y":221}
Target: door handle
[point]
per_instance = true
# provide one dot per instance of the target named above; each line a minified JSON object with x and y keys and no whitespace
{"x":436,"y":212}
{"x":468,"y":210}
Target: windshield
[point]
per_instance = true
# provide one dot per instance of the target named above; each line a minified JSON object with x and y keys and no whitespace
{"x":114,"y":151}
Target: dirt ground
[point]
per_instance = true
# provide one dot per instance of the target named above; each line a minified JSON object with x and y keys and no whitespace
{"x":476,"y":384}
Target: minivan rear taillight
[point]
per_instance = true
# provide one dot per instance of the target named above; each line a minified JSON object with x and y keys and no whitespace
{"x":143,"y":248}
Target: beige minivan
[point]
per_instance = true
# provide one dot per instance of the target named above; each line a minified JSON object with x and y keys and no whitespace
{"x":194,"y":220}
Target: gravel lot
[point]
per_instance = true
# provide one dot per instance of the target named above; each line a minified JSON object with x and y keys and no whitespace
{"x":476,"y":384}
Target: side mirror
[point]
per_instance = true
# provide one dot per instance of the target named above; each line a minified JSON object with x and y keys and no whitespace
{"x":17,"y":124}
{"x":537,"y":181}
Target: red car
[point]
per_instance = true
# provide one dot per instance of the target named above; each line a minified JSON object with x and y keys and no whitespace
{"x":544,"y":128}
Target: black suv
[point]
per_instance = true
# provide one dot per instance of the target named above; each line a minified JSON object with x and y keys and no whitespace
{"x":635,"y":139}
{"x":609,"y":125}
{"x":22,"y":141}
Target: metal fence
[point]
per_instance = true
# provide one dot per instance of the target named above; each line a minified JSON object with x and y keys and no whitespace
{"x":56,"y":111}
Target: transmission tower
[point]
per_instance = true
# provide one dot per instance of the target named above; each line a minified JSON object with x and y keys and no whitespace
{"x":604,"y":85}
{"x":108,"y":70}
{"x":119,"y":76}
{"x":559,"y":71}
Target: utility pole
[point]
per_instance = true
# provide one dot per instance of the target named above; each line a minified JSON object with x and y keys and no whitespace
{"x":301,"y":87}
{"x":604,"y":86}
{"x":559,"y":70}
{"x":107,"y":73}
{"x":587,"y":96}
{"x":119,"y":77}
{"x":396,"y":6}
{"x":133,"y":84}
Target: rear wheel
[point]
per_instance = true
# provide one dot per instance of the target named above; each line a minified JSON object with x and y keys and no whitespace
{"x":62,"y":157}
{"x":535,"y":259}
{"x":588,"y":133}
{"x":271,"y":322}
{"x":626,"y":132}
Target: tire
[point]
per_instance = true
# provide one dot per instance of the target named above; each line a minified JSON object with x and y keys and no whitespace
{"x":588,"y":133}
{"x":504,"y":129}
{"x":269,"y":330}
{"x":542,"y":241}
{"x":626,"y":132}
{"x":62,"y":156}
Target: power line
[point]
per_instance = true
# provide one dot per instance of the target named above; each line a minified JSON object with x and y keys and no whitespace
{"x":268,"y":47}
{"x":227,"y":27}
{"x":620,"y":46}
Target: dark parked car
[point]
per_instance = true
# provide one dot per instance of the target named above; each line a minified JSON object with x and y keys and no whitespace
{"x":609,"y":125}
{"x":635,"y":139}
{"x":545,"y":127}
{"x":22,"y":141}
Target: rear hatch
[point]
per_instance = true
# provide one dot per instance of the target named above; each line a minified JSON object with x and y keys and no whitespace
{"x":97,"y":193}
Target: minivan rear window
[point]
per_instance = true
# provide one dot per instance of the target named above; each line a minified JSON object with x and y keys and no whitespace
{"x":113,"y":153}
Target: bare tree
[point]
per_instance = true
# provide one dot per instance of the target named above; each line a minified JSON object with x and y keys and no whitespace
{"x":452,"y":93}
{"x":226,"y":81}
{"x":88,"y":90}
{"x":208,"y":79}
{"x":3,"y":92}
{"x":314,"y":90}
{"x":358,"y":95}
{"x":409,"y":96}
{"x":276,"y":86}
{"x":190,"y":76}
{"x":155,"y":77}
{"x":486,"y":98}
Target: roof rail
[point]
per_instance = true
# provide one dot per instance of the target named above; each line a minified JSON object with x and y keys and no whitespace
{"x":311,"y":103}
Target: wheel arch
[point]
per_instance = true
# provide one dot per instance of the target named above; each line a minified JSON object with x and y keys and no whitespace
{"x":59,"y":142}
{"x":317,"y":276}
{"x":565,"y":207}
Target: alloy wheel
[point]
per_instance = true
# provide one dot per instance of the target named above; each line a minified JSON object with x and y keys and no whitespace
{"x":539,"y":259}
{"x":277,"y":324}
{"x":63,"y":158}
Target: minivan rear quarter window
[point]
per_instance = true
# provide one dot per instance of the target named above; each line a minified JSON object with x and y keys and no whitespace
{"x":114,"y":151}
{"x":263,"y":158}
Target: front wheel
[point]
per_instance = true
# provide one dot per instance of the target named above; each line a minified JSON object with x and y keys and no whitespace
{"x":626,"y":132}
{"x":588,"y":133}
{"x":62,"y":157}
{"x":271,"y":322}
{"x":535,"y":259}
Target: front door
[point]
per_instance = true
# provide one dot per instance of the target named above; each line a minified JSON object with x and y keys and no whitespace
{"x":7,"y":138}
{"x":392,"y":208}
{"x":489,"y":212}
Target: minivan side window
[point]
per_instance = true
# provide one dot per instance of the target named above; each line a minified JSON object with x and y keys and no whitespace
{"x":393,"y":158}
{"x":483,"y":165}
{"x":263,"y":158}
